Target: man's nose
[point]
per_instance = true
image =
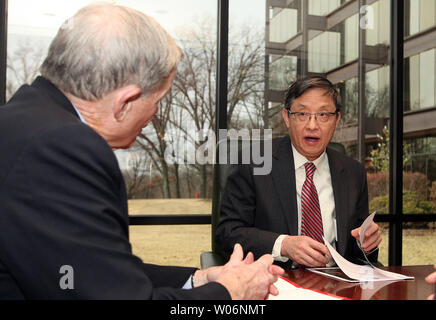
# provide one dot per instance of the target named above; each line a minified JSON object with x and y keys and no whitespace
{"x":312,"y":123}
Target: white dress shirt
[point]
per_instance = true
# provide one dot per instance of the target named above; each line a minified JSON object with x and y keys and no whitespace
{"x":323,"y":184}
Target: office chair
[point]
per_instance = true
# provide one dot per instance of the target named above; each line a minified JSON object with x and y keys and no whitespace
{"x":232,"y":156}
{"x":339,"y":147}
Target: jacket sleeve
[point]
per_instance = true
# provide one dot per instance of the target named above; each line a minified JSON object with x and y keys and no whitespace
{"x":65,"y":208}
{"x":239,"y":216}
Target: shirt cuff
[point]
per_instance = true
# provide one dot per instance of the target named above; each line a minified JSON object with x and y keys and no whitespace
{"x":188,"y":284}
{"x":277,"y":249}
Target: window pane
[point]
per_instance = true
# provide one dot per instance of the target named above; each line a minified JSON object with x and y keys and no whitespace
{"x":246,"y":76}
{"x":171,"y":245}
{"x":419,"y":244}
{"x":421,"y":82}
{"x":383,"y":253}
{"x":324,"y":52}
{"x":420,"y":16}
{"x":378,"y":31}
{"x":162,"y":164}
{"x":322,"y":7}
{"x":282,"y":72}
{"x":419,"y":160}
{"x":283,"y":25}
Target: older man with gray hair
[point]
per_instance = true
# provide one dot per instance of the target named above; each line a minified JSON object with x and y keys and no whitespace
{"x":63,"y":205}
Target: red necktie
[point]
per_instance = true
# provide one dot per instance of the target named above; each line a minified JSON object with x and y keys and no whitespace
{"x":311,"y":220}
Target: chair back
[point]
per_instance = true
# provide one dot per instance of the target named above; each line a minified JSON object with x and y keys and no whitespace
{"x":230,"y":152}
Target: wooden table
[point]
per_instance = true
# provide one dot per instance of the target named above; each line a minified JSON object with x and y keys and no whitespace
{"x":416,"y":289}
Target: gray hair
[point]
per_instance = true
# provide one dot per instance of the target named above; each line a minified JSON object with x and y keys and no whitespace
{"x":104,"y":47}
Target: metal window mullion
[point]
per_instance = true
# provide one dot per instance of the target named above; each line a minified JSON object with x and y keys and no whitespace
{"x":396,"y":132}
{"x":3,"y":48}
{"x":221,"y":101}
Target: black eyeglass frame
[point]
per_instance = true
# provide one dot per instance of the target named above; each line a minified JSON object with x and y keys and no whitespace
{"x":316,"y":114}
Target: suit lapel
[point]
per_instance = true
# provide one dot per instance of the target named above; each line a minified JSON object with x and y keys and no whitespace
{"x":340,"y":191}
{"x":283,"y":175}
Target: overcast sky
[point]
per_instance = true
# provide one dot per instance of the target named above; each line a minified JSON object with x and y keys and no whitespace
{"x":44,"y":17}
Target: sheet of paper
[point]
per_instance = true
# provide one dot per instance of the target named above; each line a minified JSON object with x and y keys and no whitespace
{"x":289,"y":291}
{"x":334,"y":273}
{"x":365,"y":226}
{"x":363,"y":273}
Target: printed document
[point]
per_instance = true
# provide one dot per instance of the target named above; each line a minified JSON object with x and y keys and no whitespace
{"x":291,"y":291}
{"x":362,"y":273}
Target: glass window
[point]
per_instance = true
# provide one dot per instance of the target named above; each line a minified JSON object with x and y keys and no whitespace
{"x":420,"y":81}
{"x":246,"y":76}
{"x":171,"y":245}
{"x":350,"y":102}
{"x":323,"y":7}
{"x":351,"y":38}
{"x":378,"y":31}
{"x":419,"y":245}
{"x":377,"y":93}
{"x":283,"y":25}
{"x":282,"y":72}
{"x":146,"y":168}
{"x":151,"y":171}
{"x":422,"y":15}
{"x":324,"y":52}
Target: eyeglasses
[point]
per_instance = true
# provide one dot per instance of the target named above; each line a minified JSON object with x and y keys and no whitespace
{"x":319,"y":116}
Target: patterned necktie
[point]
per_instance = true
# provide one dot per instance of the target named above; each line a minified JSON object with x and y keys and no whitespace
{"x":311,"y":220}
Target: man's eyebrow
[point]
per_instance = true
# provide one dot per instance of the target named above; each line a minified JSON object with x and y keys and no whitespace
{"x":300,"y":105}
{"x":324,"y":107}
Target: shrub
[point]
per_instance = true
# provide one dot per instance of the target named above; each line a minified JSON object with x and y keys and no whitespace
{"x":433,"y":192}
{"x":379,"y":204}
{"x":411,"y":204}
{"x":378,"y":184}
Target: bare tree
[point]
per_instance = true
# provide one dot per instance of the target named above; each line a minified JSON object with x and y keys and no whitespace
{"x":195,"y":83}
{"x":23,"y":65}
{"x":153,"y":141}
{"x":135,"y":176}
{"x":191,"y":103}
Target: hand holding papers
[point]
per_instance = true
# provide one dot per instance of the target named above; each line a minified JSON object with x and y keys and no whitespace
{"x":368,"y":235}
{"x":361,"y":273}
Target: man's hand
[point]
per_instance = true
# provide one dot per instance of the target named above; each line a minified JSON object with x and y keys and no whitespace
{"x":305,"y":251}
{"x":431,"y":279}
{"x":246,"y":279}
{"x":204,"y":276}
{"x":372,"y":237}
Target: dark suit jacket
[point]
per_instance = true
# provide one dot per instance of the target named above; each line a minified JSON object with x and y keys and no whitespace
{"x":256,"y":209}
{"x":63,"y":202}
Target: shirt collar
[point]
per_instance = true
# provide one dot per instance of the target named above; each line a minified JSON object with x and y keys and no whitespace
{"x":80,"y":115}
{"x":300,"y":160}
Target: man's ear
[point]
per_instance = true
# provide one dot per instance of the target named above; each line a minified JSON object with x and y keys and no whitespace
{"x":285,"y":115}
{"x":124,"y":101}
{"x":338,"y":118}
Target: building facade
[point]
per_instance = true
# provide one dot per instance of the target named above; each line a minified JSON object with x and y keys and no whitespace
{"x":348,"y":41}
